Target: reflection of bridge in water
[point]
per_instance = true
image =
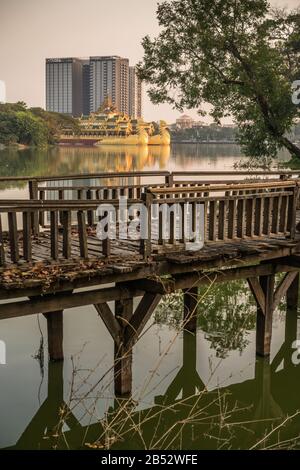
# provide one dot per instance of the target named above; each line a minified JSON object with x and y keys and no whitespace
{"x":249,"y":232}
{"x":260,"y":403}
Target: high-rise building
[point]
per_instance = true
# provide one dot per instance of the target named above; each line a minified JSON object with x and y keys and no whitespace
{"x":86,"y":77}
{"x":109,"y":78}
{"x":135,"y":94}
{"x":64,"y":86}
{"x":80,"y":86}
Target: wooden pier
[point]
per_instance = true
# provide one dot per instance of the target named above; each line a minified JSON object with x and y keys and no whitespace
{"x":50,"y":248}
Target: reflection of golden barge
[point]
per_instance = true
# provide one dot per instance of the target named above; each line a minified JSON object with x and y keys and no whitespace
{"x":108,"y":127}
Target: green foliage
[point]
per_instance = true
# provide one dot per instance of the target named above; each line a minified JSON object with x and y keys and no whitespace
{"x":34,"y":126}
{"x":239,"y":56}
{"x":205,"y":134}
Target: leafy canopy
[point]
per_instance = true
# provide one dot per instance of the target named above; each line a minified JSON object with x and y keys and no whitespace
{"x":240,"y":56}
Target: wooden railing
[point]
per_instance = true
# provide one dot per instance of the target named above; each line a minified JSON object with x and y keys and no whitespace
{"x":242,"y":210}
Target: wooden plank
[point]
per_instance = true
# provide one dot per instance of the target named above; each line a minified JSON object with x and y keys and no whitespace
{"x":231,"y":219}
{"x":212,"y":221}
{"x":283,"y":214}
{"x":33,"y":195}
{"x":266,"y":215}
{"x":222,"y":219}
{"x":82,"y":235}
{"x":67,"y":236}
{"x":13,"y":237}
{"x":2,"y":250}
{"x":27,"y":244}
{"x":90,"y":213}
{"x":240,"y":229}
{"x":250,"y":217}
{"x":258,"y":224}
{"x":276,"y":215}
{"x":54,"y":234}
{"x":42,"y":213}
{"x":292,"y":205}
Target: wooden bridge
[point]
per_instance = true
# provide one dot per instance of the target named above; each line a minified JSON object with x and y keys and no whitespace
{"x":50,"y":247}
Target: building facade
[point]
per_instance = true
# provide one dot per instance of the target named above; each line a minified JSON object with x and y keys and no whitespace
{"x":135,"y":94}
{"x":64,"y":86}
{"x":80,"y":86}
{"x":109,"y":76}
{"x":86,"y":95}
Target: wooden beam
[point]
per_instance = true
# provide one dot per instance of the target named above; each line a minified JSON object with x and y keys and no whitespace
{"x":283,"y":288}
{"x":258,"y":293}
{"x":63,"y":301}
{"x":109,"y":320}
{"x":161,"y":286}
{"x":141,"y":316}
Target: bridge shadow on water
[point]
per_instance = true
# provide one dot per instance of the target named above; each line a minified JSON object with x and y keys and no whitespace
{"x":260,"y":412}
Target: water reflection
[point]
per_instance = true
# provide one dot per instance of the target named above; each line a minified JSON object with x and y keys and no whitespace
{"x":186,"y":415}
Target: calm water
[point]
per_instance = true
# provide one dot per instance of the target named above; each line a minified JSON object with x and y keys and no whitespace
{"x":207,"y":391}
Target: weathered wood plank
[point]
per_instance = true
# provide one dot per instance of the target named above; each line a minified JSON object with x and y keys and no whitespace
{"x":13,"y":237}
{"x":83,"y":245}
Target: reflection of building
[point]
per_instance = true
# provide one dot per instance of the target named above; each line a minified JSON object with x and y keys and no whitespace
{"x":64,"y":86}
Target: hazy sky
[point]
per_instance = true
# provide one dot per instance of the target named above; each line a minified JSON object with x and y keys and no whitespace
{"x":31,"y":30}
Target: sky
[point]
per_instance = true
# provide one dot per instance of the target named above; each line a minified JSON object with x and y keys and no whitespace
{"x":31,"y":30}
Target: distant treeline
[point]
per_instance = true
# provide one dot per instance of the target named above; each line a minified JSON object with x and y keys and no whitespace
{"x":31,"y":126}
{"x":214,"y":133}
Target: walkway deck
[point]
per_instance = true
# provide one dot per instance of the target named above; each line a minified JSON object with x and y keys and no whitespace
{"x":49,"y":247}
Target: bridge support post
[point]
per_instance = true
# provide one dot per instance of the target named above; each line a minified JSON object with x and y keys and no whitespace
{"x":123,"y":350}
{"x":265,"y":318}
{"x":190,"y":299}
{"x":55,"y":335}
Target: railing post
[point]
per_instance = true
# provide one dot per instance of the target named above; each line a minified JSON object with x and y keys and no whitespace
{"x":2,"y":251}
{"x":146,"y":235}
{"x":34,"y":196}
{"x":169,"y":180}
{"x":292,"y":212}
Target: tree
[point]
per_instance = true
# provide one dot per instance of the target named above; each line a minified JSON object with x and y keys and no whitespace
{"x":240,"y":56}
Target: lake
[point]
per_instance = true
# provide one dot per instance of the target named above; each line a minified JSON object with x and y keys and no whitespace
{"x":207,"y":391}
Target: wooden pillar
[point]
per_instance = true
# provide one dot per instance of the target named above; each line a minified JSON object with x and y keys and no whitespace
{"x":55,"y":335}
{"x":123,"y":351}
{"x":190,"y":298}
{"x":265,"y":319}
